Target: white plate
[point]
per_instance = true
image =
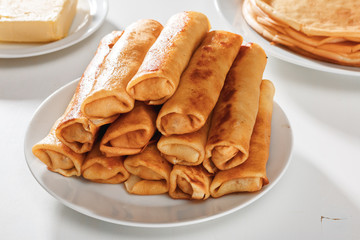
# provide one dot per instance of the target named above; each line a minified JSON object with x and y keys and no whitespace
{"x":231,"y":10}
{"x":113,"y":204}
{"x":89,"y":17}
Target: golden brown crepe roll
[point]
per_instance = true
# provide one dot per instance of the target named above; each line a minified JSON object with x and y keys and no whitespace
{"x":149,"y":172}
{"x":108,"y":97}
{"x":189,"y":182}
{"x":235,"y":112}
{"x":99,"y":168}
{"x":251,"y":175}
{"x":131,"y":132}
{"x":159,"y":74}
{"x":74,"y":129}
{"x":185,"y":149}
{"x":200,"y":84}
{"x":57,"y":156}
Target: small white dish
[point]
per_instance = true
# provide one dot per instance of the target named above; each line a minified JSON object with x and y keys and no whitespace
{"x":231,"y":10}
{"x":113,"y":204}
{"x":89,"y":17}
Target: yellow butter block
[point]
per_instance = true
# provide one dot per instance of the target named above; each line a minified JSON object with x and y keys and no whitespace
{"x":35,"y":20}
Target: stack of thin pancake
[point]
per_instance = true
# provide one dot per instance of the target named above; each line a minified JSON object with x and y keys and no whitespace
{"x":321,"y":29}
{"x":177,"y":109}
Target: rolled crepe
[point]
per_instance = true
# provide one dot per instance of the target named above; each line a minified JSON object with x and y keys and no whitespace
{"x":185,"y":149}
{"x":251,"y":175}
{"x":99,"y":168}
{"x":200,"y":84}
{"x":159,"y":74}
{"x":131,"y":132}
{"x":108,"y":97}
{"x":74,"y":129}
{"x":57,"y":156}
{"x":235,"y":112}
{"x":189,"y":182}
{"x":149,"y":172}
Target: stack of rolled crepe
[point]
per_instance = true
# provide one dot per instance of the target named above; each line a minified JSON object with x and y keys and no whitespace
{"x":73,"y":134}
{"x":184,"y":119}
{"x":321,"y":29}
{"x":108,"y":96}
{"x":208,"y":86}
{"x":116,"y":60}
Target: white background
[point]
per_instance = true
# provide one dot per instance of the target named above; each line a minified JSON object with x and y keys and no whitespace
{"x":317,"y":198}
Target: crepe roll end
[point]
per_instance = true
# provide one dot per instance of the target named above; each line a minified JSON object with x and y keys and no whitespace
{"x":177,"y":123}
{"x":150,"y":172}
{"x":226,"y":157}
{"x":250,"y":184}
{"x":133,"y":138}
{"x":180,"y":154}
{"x":137,"y":185}
{"x":224,"y":153}
{"x":209,"y":166}
{"x":130,"y":182}
{"x":111,"y":171}
{"x":129,"y":143}
{"x":189,"y":182}
{"x":106,"y":106}
{"x":76,"y":136}
{"x":152,"y":90}
{"x":56,"y":161}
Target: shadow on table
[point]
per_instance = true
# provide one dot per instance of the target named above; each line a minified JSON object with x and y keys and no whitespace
{"x":332,"y":99}
{"x":43,"y":79}
{"x":305,"y":202}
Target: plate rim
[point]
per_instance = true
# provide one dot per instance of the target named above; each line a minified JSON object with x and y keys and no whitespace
{"x":92,"y":27}
{"x":88,"y":212}
{"x":299,"y":59}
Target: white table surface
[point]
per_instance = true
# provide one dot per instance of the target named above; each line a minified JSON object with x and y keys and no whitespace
{"x":317,"y":198}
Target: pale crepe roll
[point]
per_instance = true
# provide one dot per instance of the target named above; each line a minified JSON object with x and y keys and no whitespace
{"x":108,"y":97}
{"x":189,"y":182}
{"x":159,"y":75}
{"x":200,"y":84}
{"x":185,"y":149}
{"x":99,"y":168}
{"x":74,"y":129}
{"x":131,"y":132}
{"x":251,"y":175}
{"x":235,"y":112}
{"x":57,"y":156}
{"x":150,"y":172}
